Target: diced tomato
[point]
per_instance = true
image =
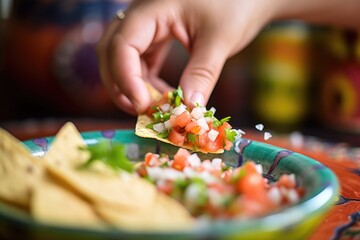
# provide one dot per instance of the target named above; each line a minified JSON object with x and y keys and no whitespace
{"x":176,"y":137}
{"x":141,"y":170}
{"x":227,"y":176}
{"x":201,"y":140}
{"x":247,"y":181}
{"x":173,"y":121}
{"x":182,"y":152}
{"x":221,"y":129}
{"x":213,"y":146}
{"x":180,"y":159}
{"x":255,"y":206}
{"x":228,"y":144}
{"x":183,"y":119}
{"x":286,"y":181}
{"x":250,"y":168}
{"x":192,"y":127}
{"x":219,"y":187}
{"x":253,"y":184}
{"x":166,"y":187}
{"x":150,"y":159}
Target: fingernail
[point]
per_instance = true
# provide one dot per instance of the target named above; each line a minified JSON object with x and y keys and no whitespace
{"x":197,"y":99}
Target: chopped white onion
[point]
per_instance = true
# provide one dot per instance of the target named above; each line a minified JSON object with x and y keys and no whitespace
{"x":206,"y":164}
{"x":216,"y":163}
{"x":207,"y":177}
{"x":208,"y":119}
{"x":215,"y":197}
{"x":197,"y":113}
{"x":212,"y":134}
{"x":259,"y":127}
{"x":191,"y":194}
{"x":213,"y":110}
{"x":194,"y":160}
{"x":165,"y":107}
{"x":179,"y":109}
{"x":237,"y":146}
{"x":167,"y":124}
{"x":292,"y":178}
{"x":259,"y":168}
{"x":154,"y":172}
{"x":274,"y":195}
{"x":189,"y":172}
{"x":240,"y":131}
{"x":159,"y":127}
{"x":267,"y":135}
{"x":203,"y":124}
{"x":292,"y":195}
{"x":171,"y":174}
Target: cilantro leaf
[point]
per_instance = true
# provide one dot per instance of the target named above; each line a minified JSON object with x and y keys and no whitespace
{"x":230,"y":134}
{"x":218,"y":123}
{"x":180,"y":93}
{"x":209,"y":113}
{"x":163,"y":134}
{"x":225,"y":119}
{"x":176,"y":96}
{"x":161,"y":116}
{"x":191,"y":138}
{"x":112,"y":154}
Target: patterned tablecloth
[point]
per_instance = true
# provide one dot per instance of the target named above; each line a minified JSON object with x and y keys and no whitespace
{"x":343,"y":221}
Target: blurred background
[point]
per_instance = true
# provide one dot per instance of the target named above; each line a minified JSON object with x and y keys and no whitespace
{"x":293,"y":77}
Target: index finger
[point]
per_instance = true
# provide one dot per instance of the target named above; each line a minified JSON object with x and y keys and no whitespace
{"x":127,"y":45}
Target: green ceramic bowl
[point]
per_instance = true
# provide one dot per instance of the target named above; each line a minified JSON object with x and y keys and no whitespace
{"x":292,"y":222}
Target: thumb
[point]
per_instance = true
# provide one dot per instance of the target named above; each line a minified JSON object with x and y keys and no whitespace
{"x":202,"y":72}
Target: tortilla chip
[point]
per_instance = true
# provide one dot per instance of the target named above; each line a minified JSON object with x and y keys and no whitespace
{"x":19,"y":170}
{"x":165,"y":215}
{"x":64,"y":150}
{"x":54,"y":204}
{"x":98,"y":183}
{"x":142,"y":131}
{"x":155,"y":94}
{"x":124,"y":191}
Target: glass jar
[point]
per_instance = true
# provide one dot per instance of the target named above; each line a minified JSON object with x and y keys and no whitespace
{"x":281,"y":75}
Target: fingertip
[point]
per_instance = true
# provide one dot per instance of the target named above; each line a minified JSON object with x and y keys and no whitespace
{"x":142,"y":101}
{"x":133,"y":106}
{"x":196,"y":98}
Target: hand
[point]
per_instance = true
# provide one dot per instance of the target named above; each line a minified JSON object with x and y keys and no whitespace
{"x":132,"y":50}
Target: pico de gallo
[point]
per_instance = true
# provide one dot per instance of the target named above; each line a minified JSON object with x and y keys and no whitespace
{"x":211,"y":189}
{"x":196,"y":127}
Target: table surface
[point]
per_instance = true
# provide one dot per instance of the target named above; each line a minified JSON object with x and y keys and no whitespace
{"x":343,"y":221}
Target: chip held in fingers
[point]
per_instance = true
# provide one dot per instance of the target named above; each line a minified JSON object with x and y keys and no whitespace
{"x":169,"y":120}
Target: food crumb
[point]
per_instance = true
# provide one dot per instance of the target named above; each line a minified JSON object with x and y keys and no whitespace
{"x":267,"y":135}
{"x":259,"y":126}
